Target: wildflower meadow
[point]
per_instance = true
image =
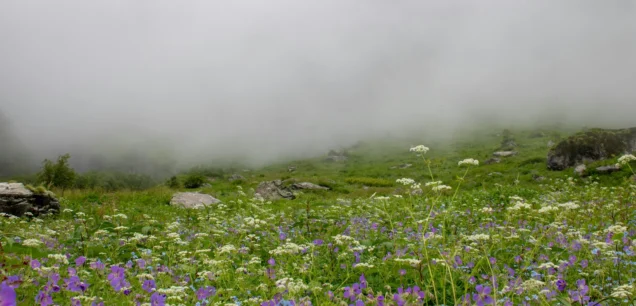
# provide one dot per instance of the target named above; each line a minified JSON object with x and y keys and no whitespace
{"x":567,"y":242}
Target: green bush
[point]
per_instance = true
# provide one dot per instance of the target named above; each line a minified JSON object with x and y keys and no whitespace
{"x":194,"y":180}
{"x":369,"y":181}
{"x":112,"y":181}
{"x":57,"y":174}
{"x":174,"y":183}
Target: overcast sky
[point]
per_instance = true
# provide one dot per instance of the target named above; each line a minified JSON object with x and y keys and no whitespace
{"x":284,"y":77}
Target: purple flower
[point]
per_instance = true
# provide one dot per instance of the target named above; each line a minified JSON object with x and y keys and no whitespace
{"x":13,"y":281}
{"x":561,"y":284}
{"x":7,"y":295}
{"x":402,"y":272}
{"x":580,"y":295}
{"x":149,"y":285}
{"x":482,"y":297}
{"x":98,"y":265}
{"x":80,"y":261}
{"x":117,"y":278}
{"x":43,"y":299}
{"x":76,"y":302}
{"x":271,"y":262}
{"x":363,"y":282}
{"x":349,"y":293}
{"x":318,"y":242}
{"x":157,"y":299}
{"x":35,"y":264}
{"x":205,"y":292}
{"x":74,"y":284}
{"x":271,"y":273}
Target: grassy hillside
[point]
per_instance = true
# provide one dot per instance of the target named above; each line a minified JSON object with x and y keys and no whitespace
{"x":498,"y":235}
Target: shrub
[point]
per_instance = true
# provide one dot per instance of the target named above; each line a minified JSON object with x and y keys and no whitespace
{"x":112,"y":181}
{"x":58,"y":174}
{"x":194,"y":180}
{"x":174,"y":183}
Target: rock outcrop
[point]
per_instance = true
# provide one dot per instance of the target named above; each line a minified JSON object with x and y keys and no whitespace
{"x":307,"y":186}
{"x":193,"y":200}
{"x":591,"y":145}
{"x":274,"y":190}
{"x":17,"y":200}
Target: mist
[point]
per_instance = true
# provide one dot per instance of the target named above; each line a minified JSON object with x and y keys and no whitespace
{"x":264,"y":81}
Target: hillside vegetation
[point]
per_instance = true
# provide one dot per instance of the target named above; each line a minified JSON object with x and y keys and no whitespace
{"x":506,"y":233}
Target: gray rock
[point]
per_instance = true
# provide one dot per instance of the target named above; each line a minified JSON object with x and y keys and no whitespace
{"x":607,"y":169}
{"x":236,"y":177}
{"x":550,"y":144}
{"x":274,"y":190}
{"x":291,"y":169}
{"x":538,"y":178}
{"x":504,"y":153}
{"x":17,"y":200}
{"x":193,"y":200}
{"x":337,"y":156}
{"x":591,"y":145}
{"x":580,"y":170}
{"x":509,"y":144}
{"x":307,"y":186}
{"x":493,"y":160}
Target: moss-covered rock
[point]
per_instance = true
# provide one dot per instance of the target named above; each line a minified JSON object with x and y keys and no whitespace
{"x":591,"y":145}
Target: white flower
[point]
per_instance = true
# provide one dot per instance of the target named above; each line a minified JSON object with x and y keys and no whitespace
{"x":519,"y":205}
{"x":547,"y":209}
{"x":32,"y":242}
{"x":405,"y":181}
{"x":228,"y":248}
{"x":617,"y":229}
{"x":469,"y":161}
{"x":477,"y":237}
{"x":441,"y":188}
{"x":623,"y":291}
{"x":419,"y":149}
{"x":625,"y":159}
{"x":411,"y":261}
{"x":569,"y":205}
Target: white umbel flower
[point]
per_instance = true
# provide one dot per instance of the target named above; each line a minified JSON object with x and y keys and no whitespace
{"x":469,"y":161}
{"x":419,"y":149}
{"x":625,"y":159}
{"x":405,"y":181}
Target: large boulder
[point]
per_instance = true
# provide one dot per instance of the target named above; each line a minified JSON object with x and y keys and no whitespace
{"x":591,"y":145}
{"x":193,"y":200}
{"x":17,"y":200}
{"x":274,"y":190}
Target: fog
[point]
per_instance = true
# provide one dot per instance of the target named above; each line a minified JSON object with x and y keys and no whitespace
{"x":267,"y":80}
